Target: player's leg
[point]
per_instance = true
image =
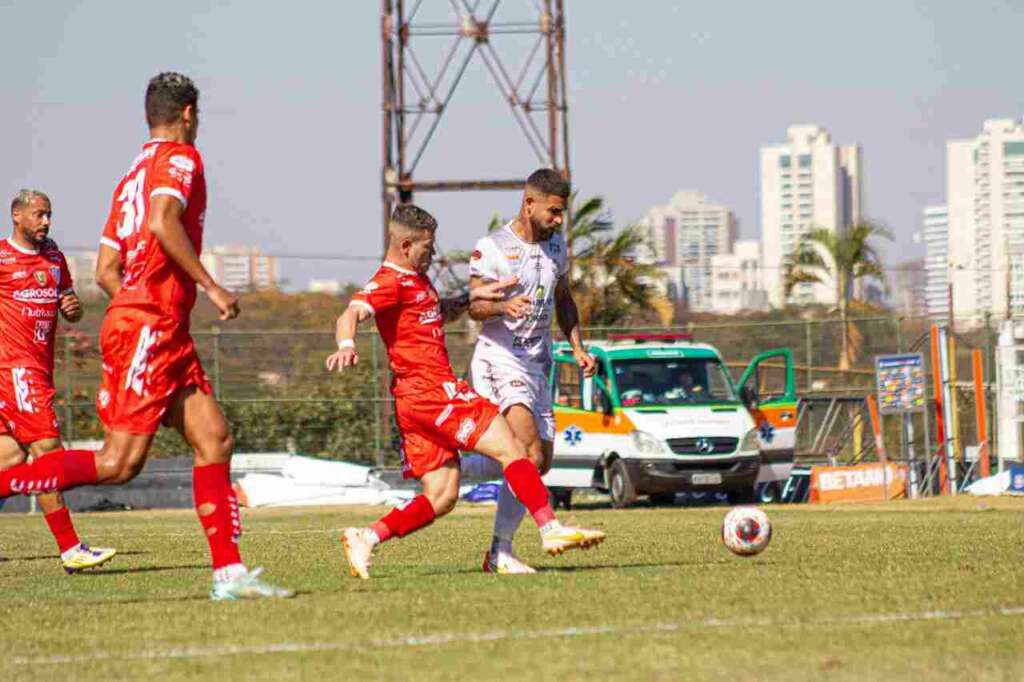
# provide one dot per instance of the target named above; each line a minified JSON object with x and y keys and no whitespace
{"x":198,"y":418}
{"x":74,"y":555}
{"x":438,"y":471}
{"x":500,"y":559}
{"x":523,"y":478}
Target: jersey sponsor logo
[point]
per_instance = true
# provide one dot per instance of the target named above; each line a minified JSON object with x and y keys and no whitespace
{"x":407,"y":282}
{"x":38,"y":312}
{"x":183,"y":162}
{"x":466,"y":429}
{"x":47,"y":295}
{"x":43,"y":329}
{"x":513,"y":253}
{"x":420,"y":297}
{"x":524,"y":342}
{"x":20,"y":274}
{"x":369,"y":288}
{"x":431,"y":316}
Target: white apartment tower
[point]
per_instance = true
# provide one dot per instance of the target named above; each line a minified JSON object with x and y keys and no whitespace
{"x":985,"y":197}
{"x":935,"y":234}
{"x":808,"y":182}
{"x":685,"y":234}
{"x":241,"y":268}
{"x":736,"y":279}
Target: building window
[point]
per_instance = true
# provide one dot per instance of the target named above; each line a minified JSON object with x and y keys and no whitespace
{"x":1013,"y":148}
{"x":784,"y":161}
{"x":804,"y":160}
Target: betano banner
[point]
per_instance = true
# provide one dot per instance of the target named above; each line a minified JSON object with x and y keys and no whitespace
{"x":858,"y":483}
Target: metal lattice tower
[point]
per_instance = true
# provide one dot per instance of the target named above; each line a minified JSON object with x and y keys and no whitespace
{"x":416,"y":98}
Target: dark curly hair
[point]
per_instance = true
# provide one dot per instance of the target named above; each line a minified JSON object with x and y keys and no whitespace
{"x":167,"y":95}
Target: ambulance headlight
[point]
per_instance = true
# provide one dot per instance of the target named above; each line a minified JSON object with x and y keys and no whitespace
{"x":648,"y":444}
{"x":750,"y":441}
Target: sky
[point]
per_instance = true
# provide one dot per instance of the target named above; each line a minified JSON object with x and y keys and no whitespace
{"x":663,"y":96}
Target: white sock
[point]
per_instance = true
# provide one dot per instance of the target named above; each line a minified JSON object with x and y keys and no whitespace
{"x":226,"y":574}
{"x":550,"y":526}
{"x":507,"y":519}
{"x":70,"y":553}
{"x":372,"y":536}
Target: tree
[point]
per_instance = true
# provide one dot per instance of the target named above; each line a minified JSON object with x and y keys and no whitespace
{"x":839,"y":258}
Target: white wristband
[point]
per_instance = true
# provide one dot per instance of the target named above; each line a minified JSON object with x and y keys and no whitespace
{"x":346,"y":343}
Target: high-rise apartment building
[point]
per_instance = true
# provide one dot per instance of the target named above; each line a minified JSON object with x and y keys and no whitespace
{"x":736,"y":283}
{"x":241,"y":268}
{"x":985,"y":197}
{"x":806,"y":183}
{"x":685,"y":234}
{"x":935,"y":234}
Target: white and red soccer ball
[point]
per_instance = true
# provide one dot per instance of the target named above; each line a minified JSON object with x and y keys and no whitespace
{"x":746,"y":531}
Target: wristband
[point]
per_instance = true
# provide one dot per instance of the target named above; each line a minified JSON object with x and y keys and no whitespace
{"x":346,"y":343}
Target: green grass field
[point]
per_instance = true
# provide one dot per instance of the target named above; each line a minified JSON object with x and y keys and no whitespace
{"x":911,"y":590}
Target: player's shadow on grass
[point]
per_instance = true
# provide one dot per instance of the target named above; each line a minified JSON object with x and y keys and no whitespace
{"x":591,"y":567}
{"x":56,"y":557}
{"x":143,"y":569}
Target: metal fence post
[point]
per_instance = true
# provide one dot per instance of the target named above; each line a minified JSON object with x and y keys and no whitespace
{"x":377,"y":405}
{"x":216,"y":362}
{"x":810,"y":353}
{"x":69,"y":423}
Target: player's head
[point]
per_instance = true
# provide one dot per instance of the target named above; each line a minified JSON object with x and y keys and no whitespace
{"x":30,"y":214}
{"x":544,"y":201}
{"x":411,"y":233}
{"x":171,"y":100}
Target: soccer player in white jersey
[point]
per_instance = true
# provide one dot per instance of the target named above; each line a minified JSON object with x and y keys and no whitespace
{"x":512,"y":359}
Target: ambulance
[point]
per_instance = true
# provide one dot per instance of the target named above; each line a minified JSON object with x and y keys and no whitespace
{"x":662,"y":415}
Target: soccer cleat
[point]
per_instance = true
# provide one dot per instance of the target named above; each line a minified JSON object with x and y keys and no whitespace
{"x":248,"y":586}
{"x":560,"y":539}
{"x":505,"y":563}
{"x":82,"y":557}
{"x":358,"y":552}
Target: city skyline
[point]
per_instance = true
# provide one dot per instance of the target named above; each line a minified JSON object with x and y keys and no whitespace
{"x":691,"y":109}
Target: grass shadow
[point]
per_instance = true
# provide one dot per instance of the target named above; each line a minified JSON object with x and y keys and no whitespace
{"x":142,"y":569}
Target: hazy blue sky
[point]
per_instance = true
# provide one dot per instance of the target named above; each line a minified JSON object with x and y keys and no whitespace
{"x":663,"y":96}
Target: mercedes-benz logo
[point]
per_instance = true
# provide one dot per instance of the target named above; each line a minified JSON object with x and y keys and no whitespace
{"x":705,"y":446}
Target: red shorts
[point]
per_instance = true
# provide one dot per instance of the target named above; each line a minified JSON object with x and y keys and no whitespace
{"x":147,"y":360}
{"x":438,"y":421}
{"x":26,"y":405}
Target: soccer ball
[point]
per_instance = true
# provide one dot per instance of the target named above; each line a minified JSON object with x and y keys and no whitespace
{"x":746,"y":531}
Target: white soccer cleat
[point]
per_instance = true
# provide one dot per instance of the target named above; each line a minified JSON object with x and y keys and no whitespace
{"x":561,"y":538}
{"x":82,"y":557}
{"x":358,"y":552}
{"x":248,"y":586}
{"x":505,"y":563}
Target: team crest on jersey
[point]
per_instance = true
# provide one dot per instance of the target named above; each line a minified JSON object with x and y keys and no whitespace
{"x":476,"y":255}
{"x":40,"y":277}
{"x":55,"y":274}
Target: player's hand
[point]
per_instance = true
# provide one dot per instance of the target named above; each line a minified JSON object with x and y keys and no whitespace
{"x":224,"y":301}
{"x":586,"y":362}
{"x":518,"y":307}
{"x":492,"y":291}
{"x":70,"y":307}
{"x":345,"y":357}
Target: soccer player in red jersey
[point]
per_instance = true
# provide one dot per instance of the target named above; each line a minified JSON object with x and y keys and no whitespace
{"x":36,"y":286}
{"x":148,"y":263}
{"x":437,"y":414}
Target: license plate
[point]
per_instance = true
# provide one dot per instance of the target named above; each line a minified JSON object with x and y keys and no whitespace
{"x":706,"y":479}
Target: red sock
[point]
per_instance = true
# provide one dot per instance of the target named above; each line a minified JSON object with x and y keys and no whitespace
{"x":524,"y":481}
{"x":401,"y":521}
{"x":63,"y":531}
{"x":53,"y":472}
{"x":217,"y":507}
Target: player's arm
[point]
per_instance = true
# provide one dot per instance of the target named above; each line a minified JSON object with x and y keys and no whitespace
{"x":70,"y":307}
{"x":108,"y":270}
{"x":569,"y":322}
{"x":484,"y":304}
{"x":165,"y":224}
{"x":345,"y":335}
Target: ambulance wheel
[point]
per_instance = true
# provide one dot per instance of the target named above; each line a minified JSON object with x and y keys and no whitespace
{"x":561,"y":497}
{"x":620,"y":485}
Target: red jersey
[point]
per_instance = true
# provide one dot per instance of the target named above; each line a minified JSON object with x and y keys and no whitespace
{"x":31,"y":284}
{"x":408,"y":313}
{"x":152,"y":281}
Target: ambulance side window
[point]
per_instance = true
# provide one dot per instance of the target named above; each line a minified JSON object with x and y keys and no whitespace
{"x":567,"y":386}
{"x":602,"y":401}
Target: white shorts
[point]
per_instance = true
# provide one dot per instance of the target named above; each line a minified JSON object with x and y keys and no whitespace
{"x":505,"y":386}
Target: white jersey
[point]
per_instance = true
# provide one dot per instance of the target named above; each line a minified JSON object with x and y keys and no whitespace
{"x":524,"y":343}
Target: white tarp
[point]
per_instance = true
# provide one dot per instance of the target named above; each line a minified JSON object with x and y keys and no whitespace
{"x":292,"y":480}
{"x":993,"y":485}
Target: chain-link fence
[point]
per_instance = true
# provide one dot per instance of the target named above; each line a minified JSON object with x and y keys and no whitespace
{"x":278,"y":396}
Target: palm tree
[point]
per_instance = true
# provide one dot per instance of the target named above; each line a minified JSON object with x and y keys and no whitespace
{"x":839,"y":258}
